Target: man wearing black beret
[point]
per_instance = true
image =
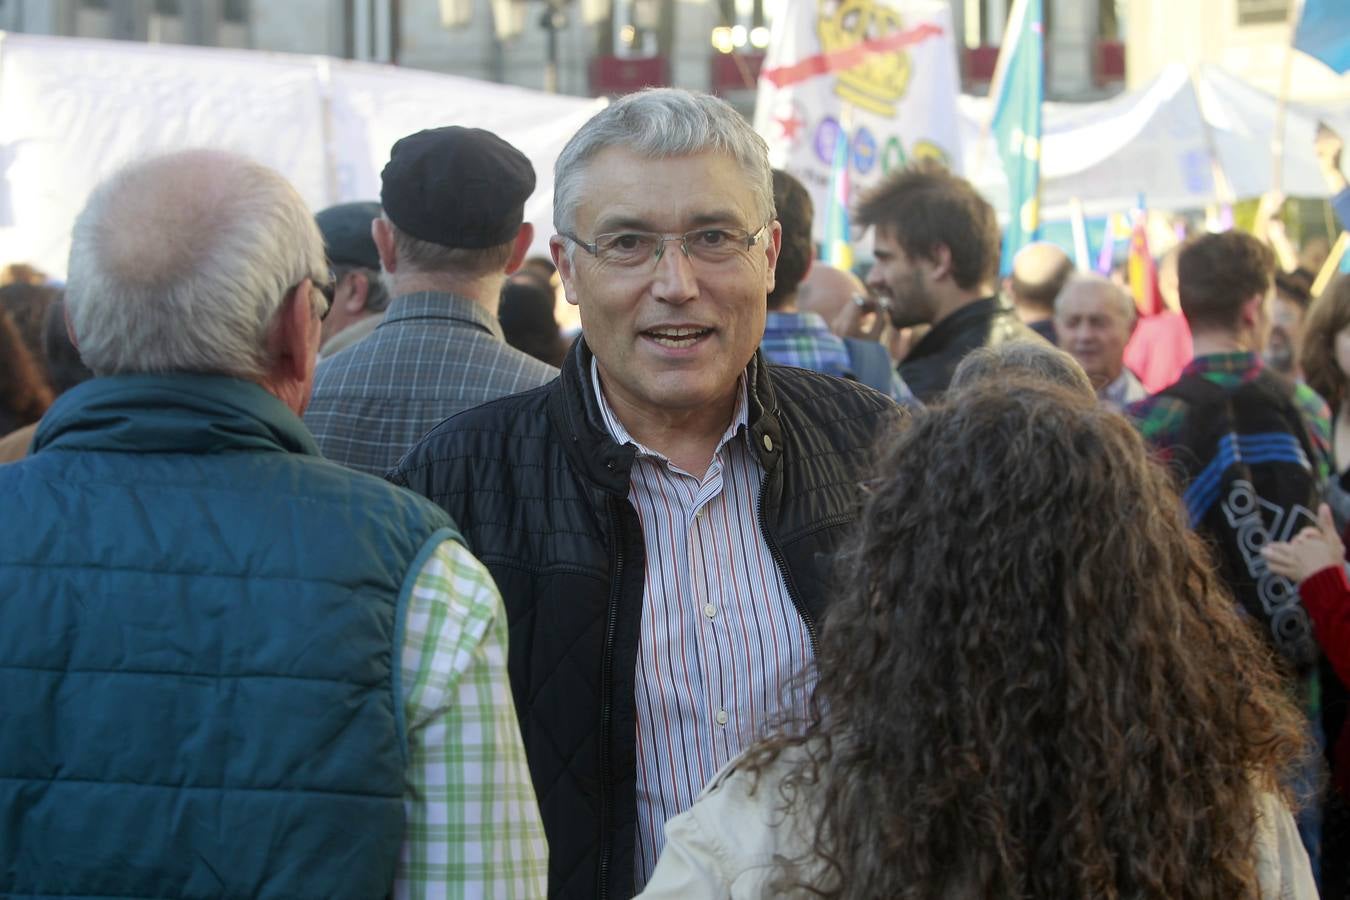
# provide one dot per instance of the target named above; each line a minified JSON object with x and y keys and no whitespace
{"x":451,"y":230}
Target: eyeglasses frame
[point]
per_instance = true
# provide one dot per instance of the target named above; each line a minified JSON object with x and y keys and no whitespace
{"x":593,"y":248}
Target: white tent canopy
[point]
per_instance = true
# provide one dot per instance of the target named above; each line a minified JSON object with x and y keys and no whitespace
{"x":1161,"y":142}
{"x":73,"y":111}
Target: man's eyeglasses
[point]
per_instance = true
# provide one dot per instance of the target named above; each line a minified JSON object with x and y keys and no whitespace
{"x":327,"y":289}
{"x":631,"y":249}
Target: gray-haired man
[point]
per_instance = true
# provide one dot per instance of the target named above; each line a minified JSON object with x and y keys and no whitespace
{"x":661,"y":518}
{"x":1094,"y":318}
{"x":231,"y":668}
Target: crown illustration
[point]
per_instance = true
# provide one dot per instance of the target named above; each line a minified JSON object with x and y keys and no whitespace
{"x":878,"y":82}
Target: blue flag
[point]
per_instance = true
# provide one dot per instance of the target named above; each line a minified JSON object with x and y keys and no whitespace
{"x":1018,"y":88}
{"x":1324,"y":32}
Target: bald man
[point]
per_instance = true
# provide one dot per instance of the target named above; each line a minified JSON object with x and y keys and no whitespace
{"x":827,"y":291}
{"x":1038,"y":275}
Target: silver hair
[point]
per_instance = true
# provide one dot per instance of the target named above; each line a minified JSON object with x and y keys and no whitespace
{"x":1084,"y":280}
{"x":180,"y":264}
{"x":658,"y":123}
{"x":987,"y":367}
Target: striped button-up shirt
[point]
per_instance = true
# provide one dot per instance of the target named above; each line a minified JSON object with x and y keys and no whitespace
{"x":721,"y":641}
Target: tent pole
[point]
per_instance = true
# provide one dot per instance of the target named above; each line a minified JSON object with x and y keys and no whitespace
{"x":1223,"y":188}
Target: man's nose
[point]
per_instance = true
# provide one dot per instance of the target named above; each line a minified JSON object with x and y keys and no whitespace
{"x":675,"y":280}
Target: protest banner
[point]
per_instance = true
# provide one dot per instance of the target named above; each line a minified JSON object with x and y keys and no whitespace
{"x":887,"y":67}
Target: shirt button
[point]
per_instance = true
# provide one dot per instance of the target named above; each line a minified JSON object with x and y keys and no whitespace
{"x":721,"y":717}
{"x":768,"y":443}
{"x":709,"y":610}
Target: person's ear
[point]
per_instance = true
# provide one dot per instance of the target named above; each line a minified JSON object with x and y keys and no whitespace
{"x":1252,"y":310}
{"x":523,"y":241}
{"x":382,"y":233}
{"x":557,"y":249}
{"x":293,"y":348}
{"x":772,"y":246}
{"x":940,"y":261}
{"x":357,"y":289}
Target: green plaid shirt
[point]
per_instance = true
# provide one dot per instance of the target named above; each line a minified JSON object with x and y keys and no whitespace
{"x":473,"y":826}
{"x":1159,"y":418}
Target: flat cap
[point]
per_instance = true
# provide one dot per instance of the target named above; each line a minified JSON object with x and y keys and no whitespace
{"x":457,"y":187}
{"x":346,"y":234}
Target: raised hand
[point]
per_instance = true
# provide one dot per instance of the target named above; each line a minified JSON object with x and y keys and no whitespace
{"x":1311,"y":550}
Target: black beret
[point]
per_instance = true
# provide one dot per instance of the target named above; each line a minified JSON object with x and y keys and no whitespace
{"x":457,"y":187}
{"x":346,"y":234}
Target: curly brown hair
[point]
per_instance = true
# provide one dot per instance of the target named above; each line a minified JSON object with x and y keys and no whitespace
{"x":1328,"y":316}
{"x":1034,"y":685}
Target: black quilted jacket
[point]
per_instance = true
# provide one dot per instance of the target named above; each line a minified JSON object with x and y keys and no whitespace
{"x":540,"y":492}
{"x":929,"y":367}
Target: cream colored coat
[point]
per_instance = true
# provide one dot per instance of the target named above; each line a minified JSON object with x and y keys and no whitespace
{"x":729,"y":843}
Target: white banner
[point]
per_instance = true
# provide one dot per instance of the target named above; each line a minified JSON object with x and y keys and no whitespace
{"x":73,"y":111}
{"x":883,"y":70}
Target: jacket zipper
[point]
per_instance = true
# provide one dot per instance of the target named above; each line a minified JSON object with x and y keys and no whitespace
{"x":606,"y":680}
{"x":787,"y":575}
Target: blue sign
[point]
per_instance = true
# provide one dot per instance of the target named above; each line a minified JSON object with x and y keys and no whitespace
{"x":864,"y":151}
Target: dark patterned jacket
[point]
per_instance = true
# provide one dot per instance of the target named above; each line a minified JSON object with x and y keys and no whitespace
{"x":540,"y":492}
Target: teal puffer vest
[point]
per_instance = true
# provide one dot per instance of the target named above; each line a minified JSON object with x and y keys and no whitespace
{"x":199,"y":628}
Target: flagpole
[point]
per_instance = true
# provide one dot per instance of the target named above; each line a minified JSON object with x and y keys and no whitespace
{"x":1332,"y":265}
{"x":1011,"y":27}
{"x":1282,"y":101}
{"x":1082,"y":256}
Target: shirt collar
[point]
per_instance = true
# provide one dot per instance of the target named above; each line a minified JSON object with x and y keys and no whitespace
{"x":1237,"y":362}
{"x":739,"y":418}
{"x":437,"y":305}
{"x":1118,"y":391}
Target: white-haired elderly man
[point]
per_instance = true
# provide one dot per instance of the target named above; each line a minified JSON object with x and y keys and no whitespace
{"x":229,"y":667}
{"x":662,"y":517}
{"x":1094,"y":318}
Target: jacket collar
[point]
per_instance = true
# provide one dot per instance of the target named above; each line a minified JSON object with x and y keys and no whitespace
{"x":974,"y":315}
{"x":576,"y":416}
{"x":172,"y":413}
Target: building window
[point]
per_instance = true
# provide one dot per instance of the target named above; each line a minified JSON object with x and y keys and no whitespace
{"x":1262,"y":12}
{"x":235,"y":11}
{"x":166,"y":7}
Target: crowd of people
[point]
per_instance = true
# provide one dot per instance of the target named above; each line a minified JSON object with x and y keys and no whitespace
{"x":330,"y":566}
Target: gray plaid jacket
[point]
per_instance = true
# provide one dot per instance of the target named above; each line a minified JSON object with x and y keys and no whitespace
{"x":433,"y":355}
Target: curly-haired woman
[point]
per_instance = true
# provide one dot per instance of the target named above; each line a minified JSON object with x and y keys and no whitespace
{"x":1032,"y":686}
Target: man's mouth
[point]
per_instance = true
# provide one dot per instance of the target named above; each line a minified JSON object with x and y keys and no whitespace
{"x":682,"y":336}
